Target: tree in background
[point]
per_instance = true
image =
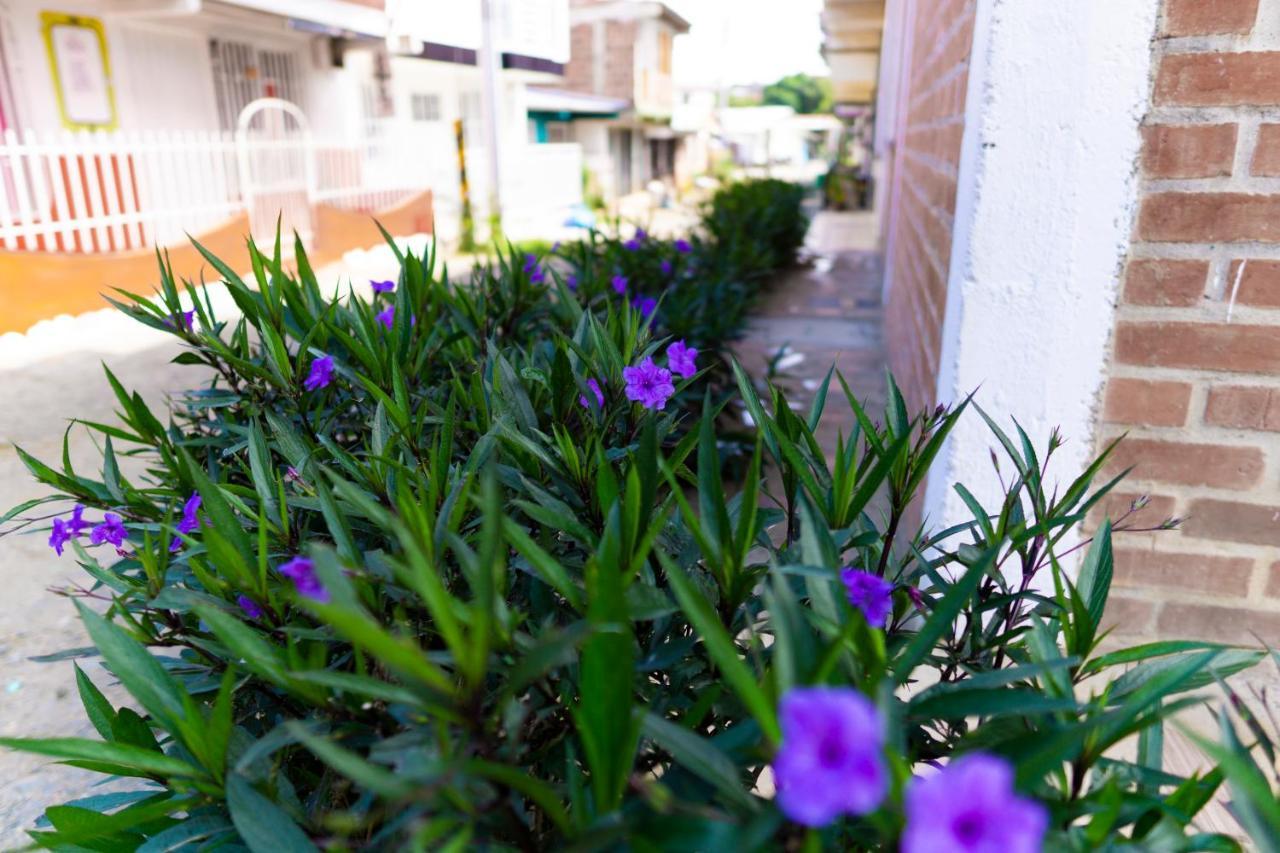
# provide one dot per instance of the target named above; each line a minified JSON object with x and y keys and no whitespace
{"x":801,"y":92}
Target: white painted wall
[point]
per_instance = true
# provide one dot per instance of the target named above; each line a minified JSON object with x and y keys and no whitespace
{"x":1047,"y":191}
{"x":160,"y":66}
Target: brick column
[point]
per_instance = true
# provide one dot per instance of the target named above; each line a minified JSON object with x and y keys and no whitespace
{"x":1195,"y":369}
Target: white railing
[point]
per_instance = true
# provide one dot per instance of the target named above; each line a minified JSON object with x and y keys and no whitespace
{"x":90,"y":193}
{"x":98,"y":192}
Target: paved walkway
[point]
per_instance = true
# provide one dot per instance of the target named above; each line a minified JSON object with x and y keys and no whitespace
{"x":827,"y":312}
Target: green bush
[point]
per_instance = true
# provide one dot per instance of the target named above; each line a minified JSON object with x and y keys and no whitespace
{"x":397,"y":576}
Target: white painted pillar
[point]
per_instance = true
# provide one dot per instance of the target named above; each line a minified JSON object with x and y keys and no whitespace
{"x":1044,"y":211}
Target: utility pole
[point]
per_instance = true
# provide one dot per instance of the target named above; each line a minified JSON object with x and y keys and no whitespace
{"x":491,"y":111}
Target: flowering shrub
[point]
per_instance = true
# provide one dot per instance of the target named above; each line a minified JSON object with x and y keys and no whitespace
{"x":471,"y":574}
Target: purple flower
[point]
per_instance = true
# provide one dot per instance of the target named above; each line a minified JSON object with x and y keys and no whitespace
{"x":681,"y":359}
{"x":382,"y":286}
{"x":971,"y":806}
{"x":571,"y":282}
{"x":76,"y":523}
{"x":555,"y":247}
{"x":60,"y":535}
{"x":649,"y":385}
{"x":66,"y":529}
{"x":642,"y":235}
{"x":249,"y":606}
{"x":595,"y":388}
{"x":536,"y":275}
{"x":645,"y":305}
{"x":302,"y":572}
{"x":321,"y":373}
{"x":917,"y":597}
{"x":665,"y":266}
{"x":683,"y":247}
{"x":632,"y":245}
{"x":830,"y":761}
{"x":182,"y":320}
{"x":619,"y":284}
{"x":190,"y":520}
{"x":387,"y":316}
{"x":110,"y":530}
{"x":871,"y":594}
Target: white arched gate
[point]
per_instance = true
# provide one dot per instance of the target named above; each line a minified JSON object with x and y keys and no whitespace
{"x":277,"y":170}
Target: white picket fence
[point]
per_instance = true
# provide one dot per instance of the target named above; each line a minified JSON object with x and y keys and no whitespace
{"x":89,"y":193}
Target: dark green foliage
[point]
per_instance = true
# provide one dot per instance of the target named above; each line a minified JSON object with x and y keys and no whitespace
{"x":801,"y":92}
{"x":555,"y":626}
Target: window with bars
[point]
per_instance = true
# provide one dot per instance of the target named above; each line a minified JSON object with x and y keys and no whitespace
{"x":242,"y":73}
{"x":424,"y":107}
{"x":471,"y":111}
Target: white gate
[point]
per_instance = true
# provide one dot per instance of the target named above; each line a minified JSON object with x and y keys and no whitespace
{"x":277,"y":169}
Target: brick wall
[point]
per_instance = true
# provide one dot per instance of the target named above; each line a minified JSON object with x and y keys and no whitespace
{"x":923,"y":190}
{"x":617,"y":67}
{"x":1195,"y":380}
{"x":579,"y":74}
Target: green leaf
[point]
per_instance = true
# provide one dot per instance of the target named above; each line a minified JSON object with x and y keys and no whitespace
{"x":127,"y":759}
{"x":140,"y":673}
{"x":263,"y":826}
{"x":96,"y":706}
{"x":702,"y":758}
{"x":605,"y":714}
{"x":943,"y":616}
{"x":722,"y":649}
{"x":1094,"y":581}
{"x":379,"y":780}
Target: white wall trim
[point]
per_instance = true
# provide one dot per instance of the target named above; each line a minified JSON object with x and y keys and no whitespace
{"x":1044,"y":211}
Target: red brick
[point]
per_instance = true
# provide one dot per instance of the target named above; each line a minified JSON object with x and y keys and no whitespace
{"x":1147,"y":402}
{"x":1210,"y":217}
{"x":1232,"y":521}
{"x":1192,"y":572}
{"x":1273,"y":581}
{"x":1260,"y":285}
{"x":1188,"y":151}
{"x":1205,"y":346}
{"x":1214,"y":465}
{"x":1165,"y":283}
{"x":1266,"y":155}
{"x":1219,"y":624}
{"x":1117,"y":505}
{"x":1209,"y":17}
{"x":1218,"y":79}
{"x":1128,"y":615}
{"x":1243,"y":407}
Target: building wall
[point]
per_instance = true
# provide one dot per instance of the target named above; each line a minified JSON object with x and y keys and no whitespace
{"x":1044,"y":209}
{"x":935,"y":44}
{"x":602,"y":58}
{"x":1195,"y":372}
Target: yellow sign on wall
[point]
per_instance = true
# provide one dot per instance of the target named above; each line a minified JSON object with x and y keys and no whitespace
{"x":77,"y":48}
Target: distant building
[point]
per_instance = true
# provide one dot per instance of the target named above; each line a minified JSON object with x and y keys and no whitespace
{"x":775,"y":135}
{"x":180,"y":65}
{"x":618,"y":95}
{"x":126,"y":124}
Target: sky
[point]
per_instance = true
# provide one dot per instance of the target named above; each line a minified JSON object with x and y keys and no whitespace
{"x":747,"y":41}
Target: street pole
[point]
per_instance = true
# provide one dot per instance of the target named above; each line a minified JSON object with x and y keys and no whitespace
{"x":491,"y":111}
